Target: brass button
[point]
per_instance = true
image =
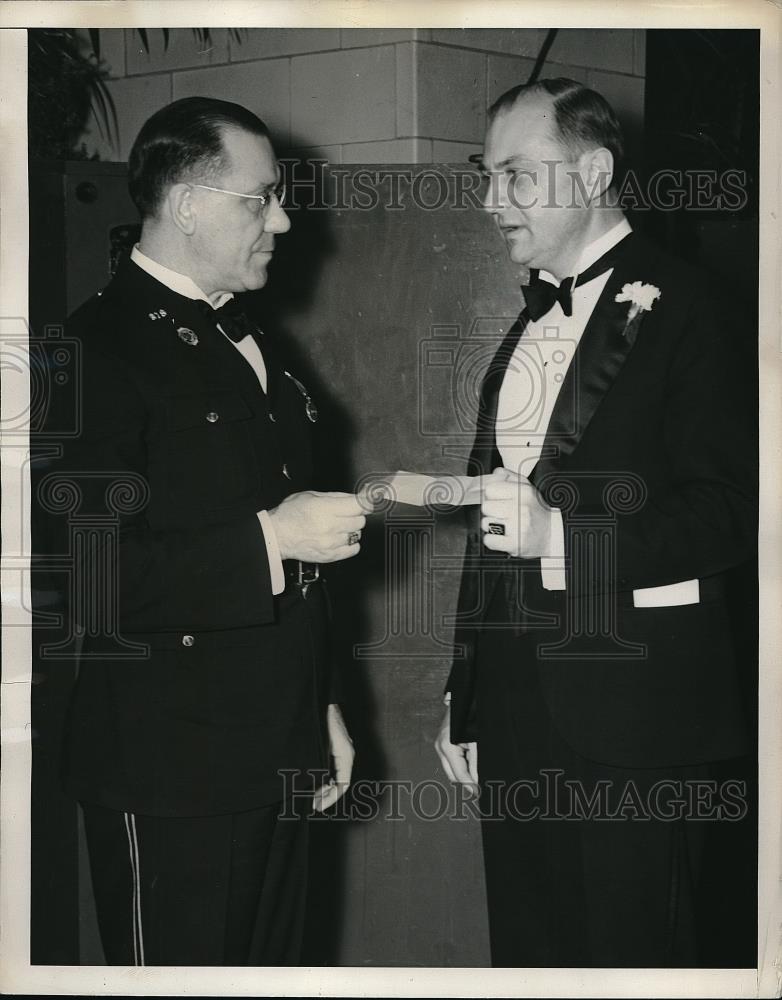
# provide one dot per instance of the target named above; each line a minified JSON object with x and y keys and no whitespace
{"x":212,"y":417}
{"x":285,"y":471}
{"x":187,"y":640}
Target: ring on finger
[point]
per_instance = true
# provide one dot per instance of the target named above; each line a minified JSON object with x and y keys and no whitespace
{"x":353,"y":537}
{"x":496,"y":529}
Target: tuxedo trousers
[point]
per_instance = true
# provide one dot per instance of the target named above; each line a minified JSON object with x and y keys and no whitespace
{"x":614,"y":886}
{"x":225,"y":890}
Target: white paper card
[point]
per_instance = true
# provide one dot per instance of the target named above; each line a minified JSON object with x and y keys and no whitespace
{"x":422,"y":491}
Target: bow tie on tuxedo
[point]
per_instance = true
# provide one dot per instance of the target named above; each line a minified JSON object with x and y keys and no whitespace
{"x":540,"y":295}
{"x":231,"y":317}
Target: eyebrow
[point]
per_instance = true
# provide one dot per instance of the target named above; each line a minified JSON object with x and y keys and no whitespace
{"x":513,"y":159}
{"x":508,"y":161}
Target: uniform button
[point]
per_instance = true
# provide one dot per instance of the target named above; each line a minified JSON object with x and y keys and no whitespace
{"x":285,"y":471}
{"x":212,"y":417}
{"x":187,"y":640}
{"x":272,"y":418}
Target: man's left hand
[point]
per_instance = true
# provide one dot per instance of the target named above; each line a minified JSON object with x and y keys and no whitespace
{"x":513,"y":502}
{"x":342,"y":753}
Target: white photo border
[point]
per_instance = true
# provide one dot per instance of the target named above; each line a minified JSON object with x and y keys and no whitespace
{"x":16,"y":974}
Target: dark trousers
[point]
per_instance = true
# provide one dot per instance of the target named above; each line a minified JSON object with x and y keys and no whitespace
{"x":617,"y":886}
{"x":206,"y":890}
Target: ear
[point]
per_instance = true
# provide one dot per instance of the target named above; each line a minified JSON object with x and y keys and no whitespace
{"x":599,"y":171}
{"x":179,"y":202}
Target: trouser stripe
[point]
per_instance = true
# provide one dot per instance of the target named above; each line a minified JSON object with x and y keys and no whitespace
{"x":138,"y":932}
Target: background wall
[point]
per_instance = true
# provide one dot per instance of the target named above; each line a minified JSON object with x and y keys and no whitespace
{"x":364,"y":95}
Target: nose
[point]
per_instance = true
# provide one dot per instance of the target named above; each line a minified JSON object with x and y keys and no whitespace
{"x":277,"y":220}
{"x":491,"y":199}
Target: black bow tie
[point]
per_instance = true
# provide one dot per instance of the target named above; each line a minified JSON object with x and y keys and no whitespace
{"x":231,"y":317}
{"x":540,"y":296}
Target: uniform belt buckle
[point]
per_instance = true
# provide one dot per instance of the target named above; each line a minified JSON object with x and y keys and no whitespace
{"x":306,"y":575}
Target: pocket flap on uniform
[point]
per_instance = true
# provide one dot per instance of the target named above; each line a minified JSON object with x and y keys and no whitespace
{"x":201,"y":409}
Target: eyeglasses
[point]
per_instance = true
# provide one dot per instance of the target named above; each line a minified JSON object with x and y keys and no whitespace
{"x":263,"y":199}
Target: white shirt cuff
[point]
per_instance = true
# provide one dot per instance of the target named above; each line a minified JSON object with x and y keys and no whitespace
{"x":552,"y":566}
{"x":273,"y":552}
{"x":669,"y":595}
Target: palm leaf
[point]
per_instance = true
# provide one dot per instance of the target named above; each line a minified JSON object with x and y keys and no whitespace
{"x":94,"y":34}
{"x":104,"y":111}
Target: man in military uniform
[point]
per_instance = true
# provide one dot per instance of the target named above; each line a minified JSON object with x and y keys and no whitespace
{"x":194,"y":432}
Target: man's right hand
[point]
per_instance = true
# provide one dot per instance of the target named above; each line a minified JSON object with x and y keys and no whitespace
{"x":459,"y":760}
{"x":316,"y":527}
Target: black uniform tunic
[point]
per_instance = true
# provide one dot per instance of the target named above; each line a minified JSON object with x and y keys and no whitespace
{"x":196,"y":684}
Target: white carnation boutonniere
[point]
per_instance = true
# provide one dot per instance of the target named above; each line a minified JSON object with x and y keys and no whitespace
{"x":641,"y":298}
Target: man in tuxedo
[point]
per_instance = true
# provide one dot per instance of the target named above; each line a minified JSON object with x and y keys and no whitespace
{"x":594,"y":691}
{"x":204,"y":671}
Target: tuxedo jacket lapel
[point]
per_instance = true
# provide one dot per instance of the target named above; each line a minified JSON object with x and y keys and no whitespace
{"x":602,"y":351}
{"x":484,"y":455}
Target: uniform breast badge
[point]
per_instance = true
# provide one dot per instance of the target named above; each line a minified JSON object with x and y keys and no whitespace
{"x":186,"y":334}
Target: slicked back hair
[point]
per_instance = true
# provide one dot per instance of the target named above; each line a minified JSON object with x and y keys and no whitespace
{"x":584,"y":118}
{"x":182,"y":142}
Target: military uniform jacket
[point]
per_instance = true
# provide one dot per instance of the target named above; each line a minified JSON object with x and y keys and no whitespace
{"x":651,"y":455}
{"x":196,"y":685}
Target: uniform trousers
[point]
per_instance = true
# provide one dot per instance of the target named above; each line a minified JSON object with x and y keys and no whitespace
{"x":564,"y":889}
{"x":225,"y":890}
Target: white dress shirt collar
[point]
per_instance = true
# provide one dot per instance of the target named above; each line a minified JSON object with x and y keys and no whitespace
{"x":594,"y":250}
{"x":179,"y":283}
